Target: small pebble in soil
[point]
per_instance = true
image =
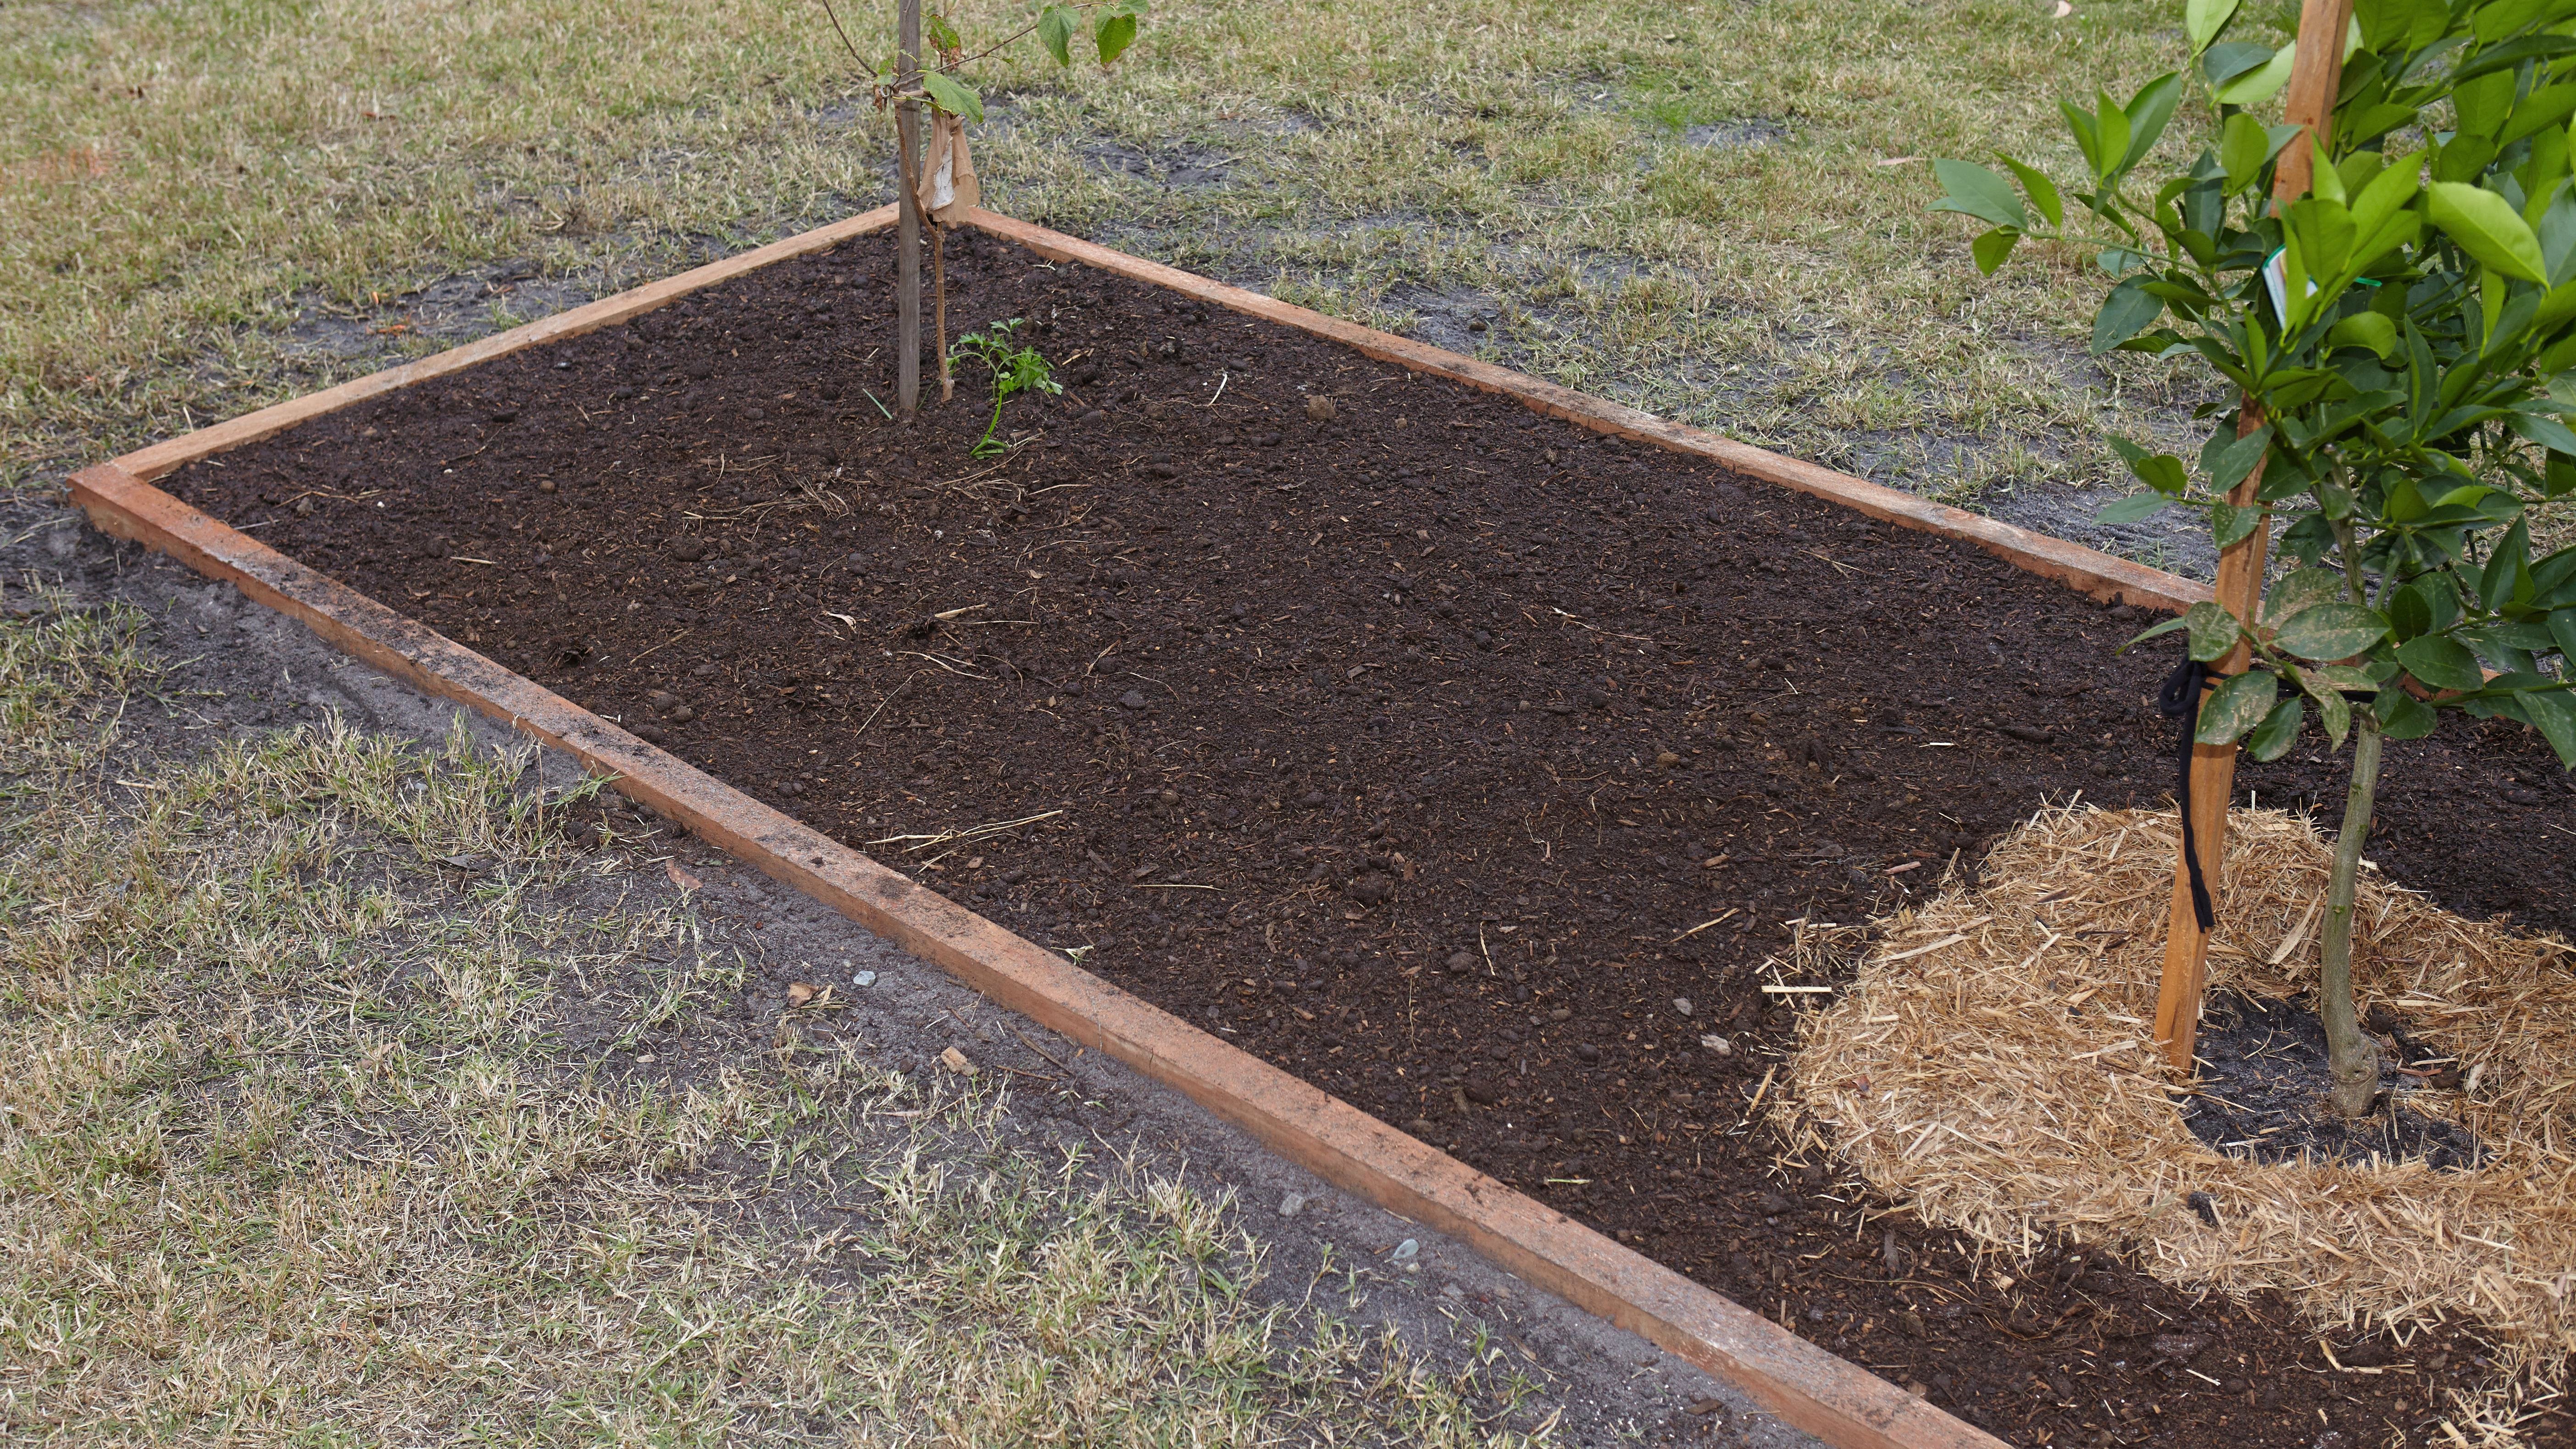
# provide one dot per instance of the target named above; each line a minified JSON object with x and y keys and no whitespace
{"x":1461,"y":961}
{"x":1718,"y":1044}
{"x":1291,"y":1205}
{"x":1132,"y":699}
{"x":1682,"y":1004}
{"x":1588,"y":1052}
{"x":1559,"y":1014}
{"x":863,"y":978}
{"x":545,"y":485}
{"x":1319,"y":407}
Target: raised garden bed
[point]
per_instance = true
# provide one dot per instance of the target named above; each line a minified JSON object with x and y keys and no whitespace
{"x":1395,"y":747}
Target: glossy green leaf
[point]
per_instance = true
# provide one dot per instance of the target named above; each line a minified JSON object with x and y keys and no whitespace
{"x":2330,"y":631}
{"x":2300,"y":589}
{"x":2367,"y":330}
{"x":2487,"y":227}
{"x":2279,"y":730}
{"x":2132,"y":508}
{"x":2043,"y":192}
{"x":2261,"y":83}
{"x":2235,"y":706}
{"x":2334,"y":712}
{"x":2410,"y":612}
{"x":2553,"y":713}
{"x":2242,"y":149}
{"x":1972,"y":189}
{"x":2230,"y":525}
{"x":2236,"y":457}
{"x":2203,"y":20}
{"x":2213,"y":630}
{"x":2441,"y":662}
{"x":2161,"y":471}
{"x":2148,"y":111}
{"x":2402,"y":716}
{"x":1990,"y":248}
{"x":2126,"y":312}
{"x":2152,"y":632}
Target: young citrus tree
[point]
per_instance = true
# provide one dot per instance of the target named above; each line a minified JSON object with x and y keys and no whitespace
{"x":2400,"y":335}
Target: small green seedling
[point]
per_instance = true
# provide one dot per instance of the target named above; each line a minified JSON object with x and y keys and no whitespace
{"x":1014,"y":369}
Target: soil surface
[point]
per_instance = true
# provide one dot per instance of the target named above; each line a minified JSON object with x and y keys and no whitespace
{"x":1470,"y":765}
{"x":2264,"y":1080}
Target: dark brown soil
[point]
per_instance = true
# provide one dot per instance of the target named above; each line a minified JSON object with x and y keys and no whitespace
{"x":1465,"y":763}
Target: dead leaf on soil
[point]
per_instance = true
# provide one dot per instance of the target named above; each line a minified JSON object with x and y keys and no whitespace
{"x":682,"y":878}
{"x":798,"y":993}
{"x":955,"y":1061}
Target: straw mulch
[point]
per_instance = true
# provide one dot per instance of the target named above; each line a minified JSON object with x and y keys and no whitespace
{"x":1993,"y":1068}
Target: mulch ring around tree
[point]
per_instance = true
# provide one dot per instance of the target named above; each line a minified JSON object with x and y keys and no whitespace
{"x":1991,"y":1068}
{"x":1478,"y":769}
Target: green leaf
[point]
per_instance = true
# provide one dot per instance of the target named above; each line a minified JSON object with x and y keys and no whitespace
{"x":2147,"y":112}
{"x":2402,"y":716}
{"x":2298,"y":589}
{"x":2546,"y":431}
{"x":2441,"y":662}
{"x":2255,"y":86}
{"x":2213,"y":630}
{"x":2487,"y":227}
{"x":2372,"y":330}
{"x":2132,"y":508}
{"x":2230,"y":525}
{"x":2167,"y":627}
{"x":1991,"y":248}
{"x":2237,"y":458}
{"x":2553,"y":713}
{"x":2161,"y":471}
{"x":1115,"y":33}
{"x":2279,"y":730}
{"x":2125,"y":313}
{"x":2202,"y":20}
{"x":2224,"y":63}
{"x":2242,"y":150}
{"x":953,"y":95}
{"x":1055,"y":32}
{"x":2237,"y":705}
{"x":2330,"y":631}
{"x":1970,"y":188}
{"x":2334,"y":712}
{"x":2410,"y":612}
{"x":2043,"y":192}
{"x":2562,"y":627}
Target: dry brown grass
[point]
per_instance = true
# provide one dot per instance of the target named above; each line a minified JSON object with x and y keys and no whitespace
{"x":1993,"y":1069}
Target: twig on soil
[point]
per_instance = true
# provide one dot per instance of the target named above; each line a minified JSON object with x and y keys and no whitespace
{"x":1704,"y":925}
{"x":889,"y":699}
{"x":944,"y":664}
{"x":665,"y":644}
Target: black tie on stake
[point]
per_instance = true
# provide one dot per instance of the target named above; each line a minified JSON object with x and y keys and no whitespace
{"x":2180,"y":699}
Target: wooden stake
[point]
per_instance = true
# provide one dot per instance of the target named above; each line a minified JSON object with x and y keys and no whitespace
{"x":907,"y":284}
{"x":2315,"y":71}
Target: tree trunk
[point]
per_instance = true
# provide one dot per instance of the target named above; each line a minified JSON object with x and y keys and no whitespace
{"x":907,"y":247}
{"x":2352,"y":1059}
